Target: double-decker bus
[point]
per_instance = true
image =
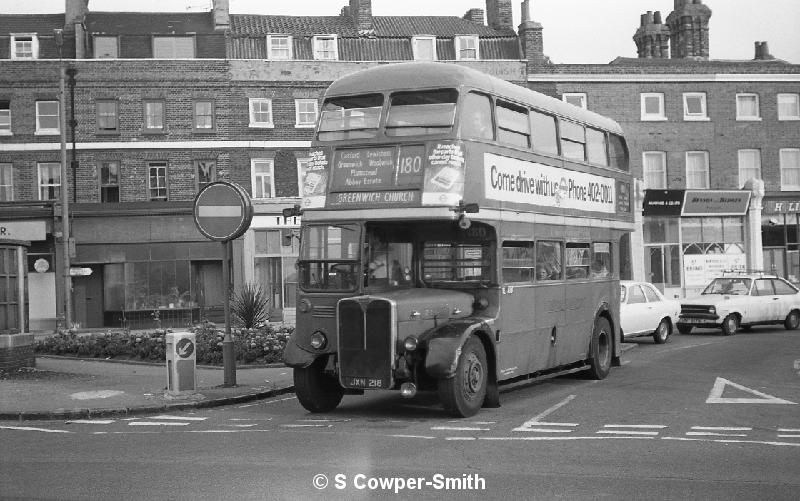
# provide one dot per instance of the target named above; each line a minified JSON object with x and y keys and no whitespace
{"x":458,"y":231}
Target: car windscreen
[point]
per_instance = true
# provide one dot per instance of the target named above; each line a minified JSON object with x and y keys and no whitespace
{"x":729,"y":286}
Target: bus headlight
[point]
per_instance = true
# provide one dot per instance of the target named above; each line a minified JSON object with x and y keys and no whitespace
{"x":318,"y":340}
{"x":410,"y":343}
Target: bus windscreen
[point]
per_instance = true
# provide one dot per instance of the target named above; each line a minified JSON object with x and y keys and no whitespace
{"x":353,"y":117}
{"x":422,"y":112}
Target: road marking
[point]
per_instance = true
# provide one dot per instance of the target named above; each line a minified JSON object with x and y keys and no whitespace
{"x":546,"y":430}
{"x":460,"y":438}
{"x":460,"y":428}
{"x":594,"y":437}
{"x":31,"y":428}
{"x":90,"y":421}
{"x":722,"y":428}
{"x":715,"y":396}
{"x":242,"y":425}
{"x":788,"y":436}
{"x":534,"y":421}
{"x":179,"y":418}
{"x":324,"y":420}
{"x":307,"y":425}
{"x":156,"y":423}
{"x":413,"y":436}
{"x":728,"y":441}
{"x":91,"y":395}
{"x":279,"y":400}
{"x":714,"y":434}
{"x":659,"y":426}
{"x":250,"y":419}
{"x":627,"y":432}
{"x":471,"y":422}
{"x":789,"y":430}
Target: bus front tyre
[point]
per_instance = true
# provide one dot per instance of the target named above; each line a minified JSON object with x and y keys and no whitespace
{"x":463,"y":394}
{"x":317,"y":391}
{"x":600,"y":350}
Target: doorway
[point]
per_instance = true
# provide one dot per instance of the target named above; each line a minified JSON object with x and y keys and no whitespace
{"x":88,"y":298}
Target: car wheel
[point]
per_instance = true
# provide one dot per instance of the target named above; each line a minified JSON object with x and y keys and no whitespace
{"x":792,"y":320}
{"x":684,"y":329}
{"x":462,"y":395}
{"x":730,"y":325}
{"x":600,"y":350}
{"x":662,"y":332}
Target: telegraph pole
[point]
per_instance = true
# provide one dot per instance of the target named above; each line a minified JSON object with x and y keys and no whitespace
{"x":64,"y":190}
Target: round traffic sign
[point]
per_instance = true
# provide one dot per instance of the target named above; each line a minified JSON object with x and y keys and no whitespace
{"x":184,"y":348}
{"x":222,"y":211}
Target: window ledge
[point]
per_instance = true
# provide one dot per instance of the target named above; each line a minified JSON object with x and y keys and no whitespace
{"x":696,"y":119}
{"x":46,"y":133}
{"x":304,"y":126}
{"x":261,"y":125}
{"x":654,"y":119}
{"x":155,"y":132}
{"x":204,"y":131}
{"x":6,"y":133}
{"x":107,"y":133}
{"x":788,"y":119}
{"x":748,"y":119}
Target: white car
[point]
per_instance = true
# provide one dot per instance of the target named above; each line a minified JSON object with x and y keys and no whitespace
{"x":742,"y":300}
{"x":644,"y":311}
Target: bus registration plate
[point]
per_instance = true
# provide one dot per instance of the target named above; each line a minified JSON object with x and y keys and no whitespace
{"x":365,"y":382}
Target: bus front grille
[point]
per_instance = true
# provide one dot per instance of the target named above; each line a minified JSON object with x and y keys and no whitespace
{"x":324,"y":311}
{"x":366,"y":343}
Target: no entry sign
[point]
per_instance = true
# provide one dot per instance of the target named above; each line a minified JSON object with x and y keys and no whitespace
{"x":222,"y":211}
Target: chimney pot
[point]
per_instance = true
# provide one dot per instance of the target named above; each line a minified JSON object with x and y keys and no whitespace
{"x":657,"y":17}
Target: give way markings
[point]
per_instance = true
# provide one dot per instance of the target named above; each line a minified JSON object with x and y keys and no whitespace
{"x":715,"y":395}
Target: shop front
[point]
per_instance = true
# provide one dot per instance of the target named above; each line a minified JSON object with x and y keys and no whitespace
{"x":780,"y":233}
{"x":690,"y":236}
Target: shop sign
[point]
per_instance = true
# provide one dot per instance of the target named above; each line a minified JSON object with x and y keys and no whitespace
{"x":23,"y":230}
{"x":700,"y":269}
{"x":715,"y":202}
{"x":663,"y":202}
{"x":781,"y":206}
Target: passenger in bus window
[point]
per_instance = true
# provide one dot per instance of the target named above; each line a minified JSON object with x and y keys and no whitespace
{"x":377,"y":267}
{"x":542,"y":272}
{"x":476,"y":121}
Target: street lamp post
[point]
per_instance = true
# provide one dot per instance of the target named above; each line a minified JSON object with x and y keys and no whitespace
{"x":64,"y":190}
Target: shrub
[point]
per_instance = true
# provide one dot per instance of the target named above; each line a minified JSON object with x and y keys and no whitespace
{"x":249,"y":306}
{"x":251,"y":346}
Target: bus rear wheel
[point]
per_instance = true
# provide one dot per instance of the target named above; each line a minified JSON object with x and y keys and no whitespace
{"x":317,"y":391}
{"x":462,"y":395}
{"x":600,"y":350}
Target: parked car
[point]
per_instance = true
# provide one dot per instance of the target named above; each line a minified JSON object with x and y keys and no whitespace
{"x":742,"y":300}
{"x":644,"y":311}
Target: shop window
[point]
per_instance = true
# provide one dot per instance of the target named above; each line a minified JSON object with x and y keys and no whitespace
{"x":660,"y":229}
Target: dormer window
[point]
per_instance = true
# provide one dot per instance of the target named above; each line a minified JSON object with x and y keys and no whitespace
{"x":24,"y":46}
{"x":173,"y":47}
{"x":424,"y":48}
{"x":325,"y":47}
{"x":105,"y":47}
{"x":467,"y":47}
{"x":279,"y":47}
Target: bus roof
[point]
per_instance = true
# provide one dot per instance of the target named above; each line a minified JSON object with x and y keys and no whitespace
{"x":424,"y":75}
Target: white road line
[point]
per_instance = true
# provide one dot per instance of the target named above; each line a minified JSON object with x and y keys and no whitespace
{"x":595,"y":437}
{"x":460,"y":438}
{"x":459,"y":428}
{"x":307,"y":425}
{"x":727,"y":441}
{"x":324,"y":420}
{"x":713,"y":434}
{"x":534,"y":421}
{"x":788,"y":436}
{"x":31,"y":428}
{"x":242,"y":425}
{"x":627,"y":432}
{"x":179,"y":418}
{"x":90,"y":421}
{"x":723,"y":428}
{"x":643,"y":426}
{"x":279,"y":400}
{"x":789,"y":430}
{"x":156,"y":423}
{"x":413,"y":436}
{"x":546,"y":430}
{"x":250,"y":419}
{"x":542,"y":423}
{"x":471,"y":422}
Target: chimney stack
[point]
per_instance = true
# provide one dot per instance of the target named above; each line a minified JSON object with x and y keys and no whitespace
{"x":530,"y":35}
{"x":688,"y":25}
{"x":361,"y":11}
{"x":499,"y":15}
{"x":222,"y":15}
{"x":762,"y":52}
{"x":652,"y":37}
{"x":475,"y":16}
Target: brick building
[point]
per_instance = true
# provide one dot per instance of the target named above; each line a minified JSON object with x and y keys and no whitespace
{"x":156,"y":106}
{"x":698,"y":131}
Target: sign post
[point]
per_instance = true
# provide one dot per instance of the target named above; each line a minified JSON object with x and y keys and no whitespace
{"x":223,"y":212}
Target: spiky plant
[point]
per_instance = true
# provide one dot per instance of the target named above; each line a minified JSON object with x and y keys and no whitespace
{"x":249,"y":305}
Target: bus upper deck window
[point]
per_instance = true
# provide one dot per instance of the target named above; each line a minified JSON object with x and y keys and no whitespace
{"x":543,"y":133}
{"x":421,"y":112}
{"x":476,"y":117}
{"x":353,"y":117}
{"x":617,"y":152}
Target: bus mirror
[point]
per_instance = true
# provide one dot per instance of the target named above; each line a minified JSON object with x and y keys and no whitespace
{"x":464,"y":222}
{"x":291,"y":212}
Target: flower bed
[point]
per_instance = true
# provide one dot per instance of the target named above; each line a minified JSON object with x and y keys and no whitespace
{"x":251,"y":346}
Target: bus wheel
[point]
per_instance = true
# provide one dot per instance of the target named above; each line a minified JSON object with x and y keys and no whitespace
{"x":600,"y":350}
{"x":317,"y":391}
{"x":662,"y":332}
{"x":462,"y":395}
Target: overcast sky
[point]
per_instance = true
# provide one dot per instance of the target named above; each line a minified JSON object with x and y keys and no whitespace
{"x":575,"y":31}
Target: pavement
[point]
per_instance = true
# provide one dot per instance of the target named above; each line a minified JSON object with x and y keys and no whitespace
{"x":73,"y":388}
